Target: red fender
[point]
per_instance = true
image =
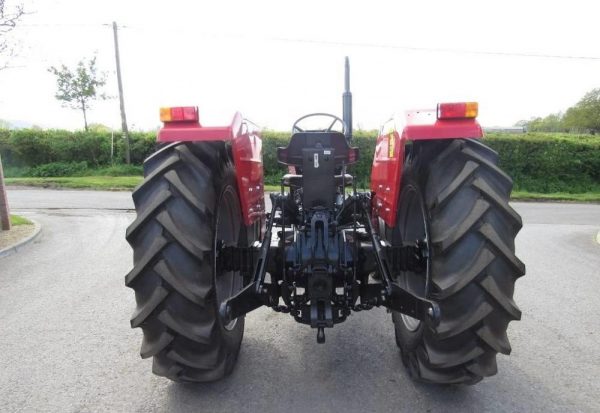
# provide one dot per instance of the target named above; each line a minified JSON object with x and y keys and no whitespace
{"x":246,"y":145}
{"x":388,"y":161}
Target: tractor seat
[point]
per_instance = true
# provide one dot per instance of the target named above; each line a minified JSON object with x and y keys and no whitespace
{"x":296,"y":180}
{"x":292,"y":155}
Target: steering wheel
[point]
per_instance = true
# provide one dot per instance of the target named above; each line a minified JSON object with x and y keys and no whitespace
{"x":296,"y":128}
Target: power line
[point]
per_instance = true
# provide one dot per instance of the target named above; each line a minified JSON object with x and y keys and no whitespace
{"x":336,"y":43}
{"x":433,"y":49}
{"x":77,"y":25}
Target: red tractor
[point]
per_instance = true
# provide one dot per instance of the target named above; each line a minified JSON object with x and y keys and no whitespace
{"x":433,"y":241}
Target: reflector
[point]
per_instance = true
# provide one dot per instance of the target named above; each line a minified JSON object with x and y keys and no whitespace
{"x":391,"y":145}
{"x":165,"y":114}
{"x":179,"y":114}
{"x":459,"y":110}
{"x":352,"y":155}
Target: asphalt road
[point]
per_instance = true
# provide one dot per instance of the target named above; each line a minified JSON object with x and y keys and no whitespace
{"x":66,"y":345}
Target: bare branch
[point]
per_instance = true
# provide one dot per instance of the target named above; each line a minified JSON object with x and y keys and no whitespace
{"x":8,"y":21}
{"x":9,"y":18}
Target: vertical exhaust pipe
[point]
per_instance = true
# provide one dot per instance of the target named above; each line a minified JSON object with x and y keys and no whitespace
{"x":347,"y":102}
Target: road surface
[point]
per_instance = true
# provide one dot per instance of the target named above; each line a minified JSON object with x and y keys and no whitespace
{"x":66,"y":345}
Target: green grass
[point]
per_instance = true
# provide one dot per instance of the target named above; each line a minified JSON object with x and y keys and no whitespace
{"x":117,"y":170}
{"x":17,"y":220}
{"x":272,"y":188}
{"x":555,"y":196}
{"x":80,"y":182}
{"x":124,"y":183}
{"x":72,"y":169}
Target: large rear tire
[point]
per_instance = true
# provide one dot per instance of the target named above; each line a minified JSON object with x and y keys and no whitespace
{"x":187,"y":202}
{"x":454,"y":194}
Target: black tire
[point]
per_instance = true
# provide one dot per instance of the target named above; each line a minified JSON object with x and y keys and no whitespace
{"x":472,"y":266}
{"x":188,"y":195}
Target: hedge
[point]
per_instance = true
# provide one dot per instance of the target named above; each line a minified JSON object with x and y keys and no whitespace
{"x":546,"y":162}
{"x":538,"y":162}
{"x":35,"y":147}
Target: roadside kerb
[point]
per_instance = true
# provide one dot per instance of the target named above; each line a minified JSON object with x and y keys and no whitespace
{"x":15,"y":248}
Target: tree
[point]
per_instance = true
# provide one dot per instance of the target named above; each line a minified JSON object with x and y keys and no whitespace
{"x":8,"y":21}
{"x":551,"y":123}
{"x":586,"y":113}
{"x":77,"y":88}
{"x":523,"y":123}
{"x":98,"y":127}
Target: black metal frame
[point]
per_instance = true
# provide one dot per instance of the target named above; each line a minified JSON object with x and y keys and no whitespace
{"x":320,"y":306}
{"x":320,"y":268}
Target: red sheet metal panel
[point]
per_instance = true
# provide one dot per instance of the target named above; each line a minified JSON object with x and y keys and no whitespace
{"x":388,"y":161}
{"x":246,"y":147}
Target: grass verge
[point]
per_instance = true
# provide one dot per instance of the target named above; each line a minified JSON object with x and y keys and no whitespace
{"x":17,"y":220}
{"x":123,"y":183}
{"x":555,"y":196}
{"x":110,"y":183}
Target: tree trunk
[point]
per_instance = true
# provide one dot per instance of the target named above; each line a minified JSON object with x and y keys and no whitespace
{"x":4,"y":211}
{"x":84,"y":115}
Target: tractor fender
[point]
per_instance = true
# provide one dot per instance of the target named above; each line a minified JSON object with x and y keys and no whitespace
{"x":246,"y":146}
{"x":388,"y":160}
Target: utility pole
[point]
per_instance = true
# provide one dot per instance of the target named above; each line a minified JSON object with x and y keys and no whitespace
{"x":121,"y":100}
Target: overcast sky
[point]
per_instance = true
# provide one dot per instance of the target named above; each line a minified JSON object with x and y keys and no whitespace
{"x":276,"y":60}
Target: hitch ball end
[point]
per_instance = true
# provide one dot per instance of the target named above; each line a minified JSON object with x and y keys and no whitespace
{"x":433,"y":315}
{"x":225,"y":313}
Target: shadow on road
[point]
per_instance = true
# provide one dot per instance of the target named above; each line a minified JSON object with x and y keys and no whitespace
{"x":349,"y":373}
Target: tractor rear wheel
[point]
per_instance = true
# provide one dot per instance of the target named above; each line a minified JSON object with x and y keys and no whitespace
{"x":187,"y":203}
{"x":455,"y":197}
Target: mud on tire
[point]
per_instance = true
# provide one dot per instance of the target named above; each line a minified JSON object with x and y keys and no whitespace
{"x":473,"y":266}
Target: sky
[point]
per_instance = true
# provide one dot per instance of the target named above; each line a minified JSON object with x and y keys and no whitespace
{"x":275,"y":61}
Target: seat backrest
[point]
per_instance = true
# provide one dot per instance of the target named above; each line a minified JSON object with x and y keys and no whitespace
{"x":318,"y":177}
{"x":292,"y":154}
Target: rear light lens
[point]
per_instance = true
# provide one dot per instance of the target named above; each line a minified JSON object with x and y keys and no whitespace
{"x":460,"y":110}
{"x":352,"y":155}
{"x":179,"y":114}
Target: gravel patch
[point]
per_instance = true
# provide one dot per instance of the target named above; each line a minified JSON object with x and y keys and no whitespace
{"x":16,"y":234}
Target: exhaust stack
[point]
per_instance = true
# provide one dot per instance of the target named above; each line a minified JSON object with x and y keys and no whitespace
{"x":347,"y":102}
